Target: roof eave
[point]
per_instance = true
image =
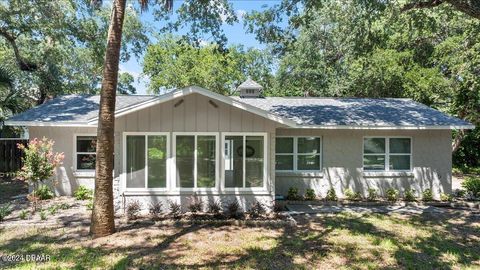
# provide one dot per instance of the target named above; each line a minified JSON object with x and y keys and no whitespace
{"x":447,"y":127}
{"x":46,"y":124}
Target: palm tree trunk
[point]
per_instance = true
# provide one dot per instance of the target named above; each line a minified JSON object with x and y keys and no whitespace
{"x":103,"y":222}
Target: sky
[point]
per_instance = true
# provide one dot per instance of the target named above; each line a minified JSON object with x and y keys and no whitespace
{"x":236,"y":34}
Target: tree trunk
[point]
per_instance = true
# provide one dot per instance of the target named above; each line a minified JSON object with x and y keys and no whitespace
{"x":458,"y":140}
{"x":103,"y":222}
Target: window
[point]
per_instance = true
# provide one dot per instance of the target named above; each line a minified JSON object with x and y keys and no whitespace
{"x":387,"y":154}
{"x":245,"y":161}
{"x":85,"y":152}
{"x":196,"y":160}
{"x":298,"y":154}
{"x":146,"y":160}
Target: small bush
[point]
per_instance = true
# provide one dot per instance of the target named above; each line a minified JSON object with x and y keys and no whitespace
{"x":352,"y":196}
{"x":43,"y":215}
{"x":277,"y":208}
{"x":233,"y":209}
{"x":459,"y":193}
{"x":331,"y":195}
{"x":256,"y":210}
{"x":446,"y":197}
{"x":427,"y":195}
{"x":214,"y":207}
{"x":310,"y":194}
{"x":64,"y":206}
{"x":392,"y":195}
{"x":175,"y":209}
{"x":52,"y":210}
{"x":23,"y":214}
{"x":472,"y":186}
{"x":196,"y":205}
{"x":372,"y":194}
{"x":155,"y":209}
{"x":90,"y":204}
{"x":83,"y":193}
{"x":43,"y":193}
{"x":293,"y":194}
{"x":5,"y":210}
{"x":410,"y":195}
{"x":133,"y":209}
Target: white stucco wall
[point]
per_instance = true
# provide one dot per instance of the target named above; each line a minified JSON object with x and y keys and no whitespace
{"x":342,"y":163}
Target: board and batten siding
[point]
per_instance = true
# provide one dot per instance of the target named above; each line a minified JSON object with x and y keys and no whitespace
{"x":342,"y":162}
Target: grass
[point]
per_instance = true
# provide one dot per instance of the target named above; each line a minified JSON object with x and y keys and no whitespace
{"x":351,"y":241}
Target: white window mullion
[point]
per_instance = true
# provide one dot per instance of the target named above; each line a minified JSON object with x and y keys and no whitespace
{"x":146,"y":162}
{"x":243,"y":160}
{"x":195,"y":153}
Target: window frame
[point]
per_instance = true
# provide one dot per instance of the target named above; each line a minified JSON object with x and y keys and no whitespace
{"x":124,"y":157}
{"x":295,"y":154}
{"x":174,"y":161}
{"x":75,"y":153}
{"x":265,"y":161}
{"x":387,"y":153}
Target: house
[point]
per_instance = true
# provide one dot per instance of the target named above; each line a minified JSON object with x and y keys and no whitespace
{"x":249,"y":147}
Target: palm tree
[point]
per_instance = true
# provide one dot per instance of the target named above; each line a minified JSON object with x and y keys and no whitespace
{"x":103,"y":213}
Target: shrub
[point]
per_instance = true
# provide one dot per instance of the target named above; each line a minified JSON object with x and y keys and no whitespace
{"x":293,"y":194}
{"x":372,"y":194}
{"x":52,"y":210}
{"x":392,"y":195}
{"x":214,"y":207}
{"x":23,"y":214}
{"x":277,"y":208}
{"x":410,"y":195}
{"x":90,"y":204}
{"x":427,"y":195}
{"x":256,"y":210}
{"x":175,"y":209}
{"x":472,"y":185}
{"x":233,"y":209}
{"x":64,"y":206}
{"x":133,"y":209}
{"x":331,"y":195}
{"x":43,"y":193}
{"x":155,"y":209}
{"x":310,"y":194}
{"x":446,"y":197}
{"x":39,"y":162}
{"x":43,"y":215}
{"x":352,"y":196}
{"x":196,"y":205}
{"x":5,"y":210}
{"x":83,"y":193}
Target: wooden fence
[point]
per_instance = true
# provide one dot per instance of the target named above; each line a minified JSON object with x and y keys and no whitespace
{"x":10,"y":155}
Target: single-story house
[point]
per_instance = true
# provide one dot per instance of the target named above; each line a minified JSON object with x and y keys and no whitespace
{"x":194,"y":141}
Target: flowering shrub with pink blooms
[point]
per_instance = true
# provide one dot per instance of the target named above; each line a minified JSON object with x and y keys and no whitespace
{"x":39,"y":161}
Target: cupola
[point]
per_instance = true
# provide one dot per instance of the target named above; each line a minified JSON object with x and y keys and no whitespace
{"x":250,"y":89}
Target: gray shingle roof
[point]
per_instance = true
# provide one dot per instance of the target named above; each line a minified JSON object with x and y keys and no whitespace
{"x":74,"y":108}
{"x":385,"y":112}
{"x":356,"y":112}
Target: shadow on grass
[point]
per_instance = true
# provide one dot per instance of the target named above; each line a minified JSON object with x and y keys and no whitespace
{"x":435,"y":242}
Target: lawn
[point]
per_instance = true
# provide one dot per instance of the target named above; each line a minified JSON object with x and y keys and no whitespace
{"x":369,"y":241}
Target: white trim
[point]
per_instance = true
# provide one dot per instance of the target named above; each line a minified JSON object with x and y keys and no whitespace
{"x":298,"y":126}
{"x":75,"y":153}
{"x":295,"y":155}
{"x":195,"y":180}
{"x":124,"y":161}
{"x":387,"y":154}
{"x":47,"y":124}
{"x":266,"y":159}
